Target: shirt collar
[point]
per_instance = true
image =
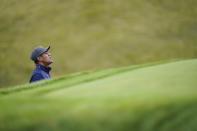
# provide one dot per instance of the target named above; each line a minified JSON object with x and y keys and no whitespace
{"x":45,"y":69}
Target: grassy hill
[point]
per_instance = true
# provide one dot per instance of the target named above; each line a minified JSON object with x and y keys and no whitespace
{"x":94,"y":34}
{"x":150,"y":97}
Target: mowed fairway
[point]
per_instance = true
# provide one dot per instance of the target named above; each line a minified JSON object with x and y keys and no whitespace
{"x":152,"y":97}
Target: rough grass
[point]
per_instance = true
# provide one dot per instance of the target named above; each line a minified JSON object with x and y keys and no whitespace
{"x":94,"y":34}
{"x":159,"y":97}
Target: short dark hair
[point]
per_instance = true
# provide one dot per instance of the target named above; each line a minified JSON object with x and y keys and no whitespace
{"x":36,"y":61}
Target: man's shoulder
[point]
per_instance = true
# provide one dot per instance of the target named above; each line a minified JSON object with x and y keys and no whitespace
{"x":37,"y":71}
{"x":39,"y":74}
{"x":36,"y":76}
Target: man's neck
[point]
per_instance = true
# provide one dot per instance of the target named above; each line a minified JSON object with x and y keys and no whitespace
{"x":43,"y":64}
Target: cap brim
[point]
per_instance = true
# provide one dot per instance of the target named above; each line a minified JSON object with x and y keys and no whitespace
{"x":48,"y":48}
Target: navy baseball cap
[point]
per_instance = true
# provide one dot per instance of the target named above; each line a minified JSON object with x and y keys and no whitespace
{"x":38,"y":51}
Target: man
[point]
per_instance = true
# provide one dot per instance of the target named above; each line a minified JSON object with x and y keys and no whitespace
{"x":42,"y":60}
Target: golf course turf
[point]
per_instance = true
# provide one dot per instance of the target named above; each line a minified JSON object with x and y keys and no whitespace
{"x":151,"y":97}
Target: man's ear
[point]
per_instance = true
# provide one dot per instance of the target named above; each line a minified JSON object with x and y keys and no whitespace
{"x":38,"y":58}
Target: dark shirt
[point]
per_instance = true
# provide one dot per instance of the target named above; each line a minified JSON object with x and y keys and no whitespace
{"x":41,"y":72}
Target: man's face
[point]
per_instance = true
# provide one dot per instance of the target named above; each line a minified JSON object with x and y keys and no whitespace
{"x":45,"y":58}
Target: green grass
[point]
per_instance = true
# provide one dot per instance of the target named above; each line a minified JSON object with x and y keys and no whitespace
{"x":94,"y":34}
{"x":151,"y":97}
